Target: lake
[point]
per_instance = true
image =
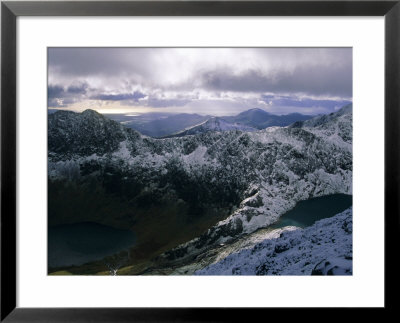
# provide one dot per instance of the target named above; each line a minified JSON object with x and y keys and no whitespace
{"x":79,"y":243}
{"x":305,"y":213}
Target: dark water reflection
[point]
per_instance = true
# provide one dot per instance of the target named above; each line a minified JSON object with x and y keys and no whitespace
{"x":76,"y":244}
{"x":305,"y":213}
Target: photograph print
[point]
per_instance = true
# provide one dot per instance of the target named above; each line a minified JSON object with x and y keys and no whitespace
{"x":200,"y":161}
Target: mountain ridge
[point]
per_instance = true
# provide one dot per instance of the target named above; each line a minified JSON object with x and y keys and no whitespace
{"x":262,"y":119}
{"x":213,"y":124}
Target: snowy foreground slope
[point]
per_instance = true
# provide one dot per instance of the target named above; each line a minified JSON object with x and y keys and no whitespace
{"x":324,"y":248}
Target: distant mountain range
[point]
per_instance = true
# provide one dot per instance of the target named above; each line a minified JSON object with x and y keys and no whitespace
{"x":164,"y":125}
{"x":176,"y":125}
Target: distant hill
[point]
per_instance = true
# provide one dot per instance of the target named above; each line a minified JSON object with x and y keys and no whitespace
{"x":261,"y":119}
{"x":214,"y":124}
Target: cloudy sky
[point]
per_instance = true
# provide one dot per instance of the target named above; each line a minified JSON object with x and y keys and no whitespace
{"x":218,"y":81}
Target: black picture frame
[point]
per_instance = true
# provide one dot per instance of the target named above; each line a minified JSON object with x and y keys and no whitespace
{"x":10,"y":10}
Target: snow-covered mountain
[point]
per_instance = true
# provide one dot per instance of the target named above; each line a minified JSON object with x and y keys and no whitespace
{"x":213,"y":124}
{"x":206,"y":189}
{"x":335,"y":126}
{"x":83,"y":134}
{"x":261,"y":119}
{"x":325,"y":248}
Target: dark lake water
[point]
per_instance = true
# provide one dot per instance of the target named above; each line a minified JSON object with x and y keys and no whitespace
{"x":76,"y":244}
{"x":305,"y":213}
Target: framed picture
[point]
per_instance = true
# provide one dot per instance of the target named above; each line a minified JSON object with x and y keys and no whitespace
{"x":181,"y":144}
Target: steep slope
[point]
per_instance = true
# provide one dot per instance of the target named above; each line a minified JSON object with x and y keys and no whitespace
{"x":196,"y":191}
{"x":324,"y":248}
{"x":213,"y":124}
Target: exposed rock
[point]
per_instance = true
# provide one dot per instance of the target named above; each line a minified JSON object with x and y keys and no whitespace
{"x":333,"y":266}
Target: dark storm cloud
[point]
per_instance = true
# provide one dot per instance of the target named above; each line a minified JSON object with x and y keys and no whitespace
{"x":58,"y":96}
{"x":135,"y":96}
{"x":78,"y":88}
{"x":162,"y":103}
{"x":58,"y":91}
{"x":97,"y":61}
{"x":55,"y":91}
{"x":310,"y":80}
{"x":302,"y":102}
